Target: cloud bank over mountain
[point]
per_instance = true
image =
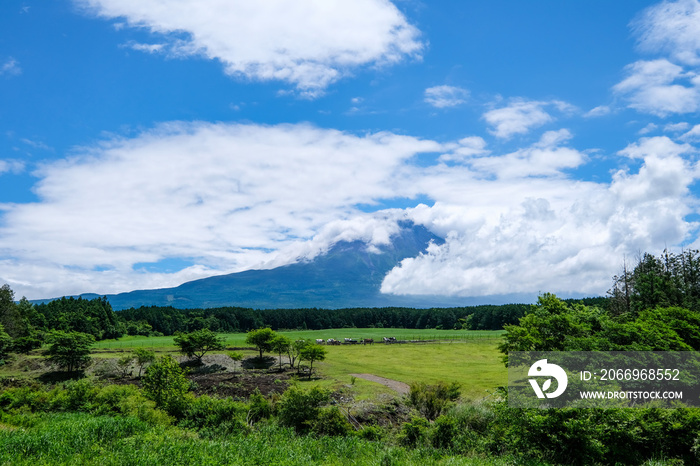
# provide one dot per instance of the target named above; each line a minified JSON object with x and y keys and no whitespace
{"x":201,"y":138}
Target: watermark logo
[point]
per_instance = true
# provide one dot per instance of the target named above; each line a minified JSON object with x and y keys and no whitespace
{"x":542,"y":368}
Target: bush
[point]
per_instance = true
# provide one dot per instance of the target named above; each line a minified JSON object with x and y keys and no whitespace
{"x":166,"y":384}
{"x":299,"y":408}
{"x":414,"y":433}
{"x":258,"y":407}
{"x":444,"y":432}
{"x":78,"y":395}
{"x":431,"y":400}
{"x":330,"y":421}
{"x":24,"y":345}
{"x":214,"y":417}
{"x":374,"y":433}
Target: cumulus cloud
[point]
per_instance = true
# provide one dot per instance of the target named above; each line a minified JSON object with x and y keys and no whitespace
{"x":223,"y":195}
{"x":465,"y":149}
{"x":307,"y":43}
{"x":229,"y":197}
{"x":445,"y":96}
{"x":547,"y":157}
{"x":520,"y":116}
{"x":550,"y":234}
{"x":660,"y":87}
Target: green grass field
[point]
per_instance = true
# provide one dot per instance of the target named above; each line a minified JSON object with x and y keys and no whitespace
{"x":238,"y":339}
{"x":475,"y":364}
{"x":470,"y":358}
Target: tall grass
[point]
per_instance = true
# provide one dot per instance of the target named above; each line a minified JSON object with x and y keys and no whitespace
{"x":79,"y":438}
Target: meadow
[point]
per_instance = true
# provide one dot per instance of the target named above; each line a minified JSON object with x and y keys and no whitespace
{"x":470,"y":358}
{"x":238,"y":339}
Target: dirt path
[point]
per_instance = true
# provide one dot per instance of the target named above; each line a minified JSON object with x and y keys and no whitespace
{"x":393,"y":384}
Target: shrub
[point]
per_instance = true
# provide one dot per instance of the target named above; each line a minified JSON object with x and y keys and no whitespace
{"x":26,"y":344}
{"x":258,"y":407}
{"x":124,"y":364}
{"x":414,"y":433}
{"x":166,"y":384}
{"x":374,"y":433}
{"x":444,"y":431}
{"x":330,"y":421}
{"x":299,"y":408}
{"x":78,"y":395}
{"x":431,"y":400}
{"x":214,"y":417}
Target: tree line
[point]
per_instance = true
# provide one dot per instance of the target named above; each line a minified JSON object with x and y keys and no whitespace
{"x":169,"y":320}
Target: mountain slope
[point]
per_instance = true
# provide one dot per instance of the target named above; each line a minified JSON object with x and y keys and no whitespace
{"x":348,"y":275}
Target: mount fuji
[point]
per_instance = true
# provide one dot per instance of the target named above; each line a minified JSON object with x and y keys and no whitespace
{"x":349,"y":274}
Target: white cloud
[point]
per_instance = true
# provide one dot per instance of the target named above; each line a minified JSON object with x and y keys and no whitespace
{"x":598,"y":111}
{"x":445,"y":96}
{"x":465,"y":149}
{"x":650,"y":128}
{"x":660,"y":87}
{"x":692,"y":135}
{"x":224,"y":195}
{"x":677,"y":127}
{"x":10,"y":68}
{"x":307,"y":43}
{"x":545,"y":158}
{"x":520,"y":116}
{"x":670,"y":83}
{"x":11,"y":166}
{"x":148,"y":48}
{"x":672,"y":28}
{"x":228,"y":197}
{"x":549,"y":234}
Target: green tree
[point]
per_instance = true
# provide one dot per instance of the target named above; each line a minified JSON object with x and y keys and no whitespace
{"x":236,"y":357}
{"x":10,"y":315}
{"x":261,"y":339}
{"x":26,"y":344}
{"x":124,"y":363}
{"x":143,"y":357}
{"x":294,"y":350}
{"x":280,"y":344}
{"x":313,"y":353}
{"x":69,"y":350}
{"x":165,"y":383}
{"x":5,"y":344}
{"x":198,"y":343}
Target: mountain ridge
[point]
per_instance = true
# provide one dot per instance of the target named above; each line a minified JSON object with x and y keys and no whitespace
{"x":348,"y":275}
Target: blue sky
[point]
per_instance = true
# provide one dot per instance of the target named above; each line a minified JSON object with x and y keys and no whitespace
{"x":147,"y":143}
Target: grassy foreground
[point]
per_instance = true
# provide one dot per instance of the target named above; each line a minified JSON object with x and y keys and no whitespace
{"x":79,"y":438}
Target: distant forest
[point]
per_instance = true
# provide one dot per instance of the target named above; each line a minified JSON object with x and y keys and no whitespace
{"x":667,"y":280}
